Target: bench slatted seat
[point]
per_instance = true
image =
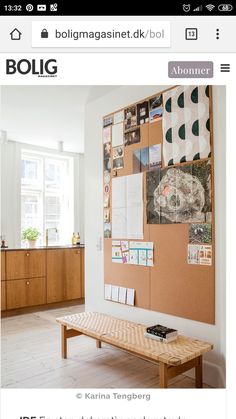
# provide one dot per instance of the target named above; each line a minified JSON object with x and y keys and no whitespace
{"x":174,"y":358}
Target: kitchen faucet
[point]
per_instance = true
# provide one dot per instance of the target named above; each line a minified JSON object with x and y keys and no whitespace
{"x":47,"y":230}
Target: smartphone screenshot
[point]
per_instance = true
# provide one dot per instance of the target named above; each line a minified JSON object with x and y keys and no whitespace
{"x":117,"y":210}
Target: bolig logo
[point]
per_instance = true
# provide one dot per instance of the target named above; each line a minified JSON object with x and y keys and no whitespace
{"x":39,"y":68}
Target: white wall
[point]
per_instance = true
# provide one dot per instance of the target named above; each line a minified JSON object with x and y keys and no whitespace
{"x":214,"y":365}
{"x":79,"y":195}
{"x":10,"y":152}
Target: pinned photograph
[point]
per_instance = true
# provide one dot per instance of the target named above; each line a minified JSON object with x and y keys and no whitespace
{"x":154,"y":156}
{"x":107,"y":165}
{"x":155,"y":108}
{"x":107,"y":230}
{"x":130,"y":117}
{"x":141,"y":160}
{"x":106,"y":201}
{"x":108,"y":120}
{"x":107,"y":135}
{"x":132,"y":137}
{"x":106,"y":215}
{"x":107,"y":156}
{"x":142,"y":113}
{"x":199,"y":233}
{"x":118,"y":157}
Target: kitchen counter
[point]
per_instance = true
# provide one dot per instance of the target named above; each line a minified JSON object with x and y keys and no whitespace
{"x":69,"y":246}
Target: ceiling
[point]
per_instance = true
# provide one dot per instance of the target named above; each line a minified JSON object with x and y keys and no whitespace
{"x":45,"y":115}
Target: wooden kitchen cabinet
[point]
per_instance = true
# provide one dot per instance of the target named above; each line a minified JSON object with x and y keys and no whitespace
{"x":64,"y":274}
{"x":73,"y":278}
{"x":36,"y":277}
{"x":25,"y":264}
{"x":25,"y":292}
{"x":3,"y":295}
{"x":3,"y":265}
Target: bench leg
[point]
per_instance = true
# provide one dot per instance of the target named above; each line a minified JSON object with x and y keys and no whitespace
{"x":98,"y":344}
{"x":163,"y":375}
{"x":63,"y":342}
{"x":198,"y":373}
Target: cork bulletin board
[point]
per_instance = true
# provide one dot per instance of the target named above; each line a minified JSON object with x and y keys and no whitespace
{"x":180,"y":224}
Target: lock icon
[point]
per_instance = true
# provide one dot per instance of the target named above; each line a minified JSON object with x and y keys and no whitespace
{"x":44,"y":33}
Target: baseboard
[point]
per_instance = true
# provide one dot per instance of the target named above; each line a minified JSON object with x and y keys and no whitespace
{"x":43,"y":307}
{"x":213,"y":375}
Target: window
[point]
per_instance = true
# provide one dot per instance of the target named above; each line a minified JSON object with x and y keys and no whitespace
{"x":47,"y":200}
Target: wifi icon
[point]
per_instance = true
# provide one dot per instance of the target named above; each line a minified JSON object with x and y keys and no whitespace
{"x":210,"y":7}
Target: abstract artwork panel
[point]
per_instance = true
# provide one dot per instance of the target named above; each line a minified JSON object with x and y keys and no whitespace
{"x":186,"y":124}
{"x":179,"y":194}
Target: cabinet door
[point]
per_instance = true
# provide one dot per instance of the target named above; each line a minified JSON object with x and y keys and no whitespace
{"x":25,"y":264}
{"x":3,"y":265}
{"x":55,"y":275}
{"x":3,"y":295}
{"x":26,"y":292}
{"x":73,"y":283}
{"x":82,"y":272}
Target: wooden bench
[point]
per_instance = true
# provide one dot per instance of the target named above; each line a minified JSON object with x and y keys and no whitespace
{"x":174,"y":358}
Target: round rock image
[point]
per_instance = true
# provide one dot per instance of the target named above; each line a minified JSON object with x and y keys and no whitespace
{"x":179,"y":197}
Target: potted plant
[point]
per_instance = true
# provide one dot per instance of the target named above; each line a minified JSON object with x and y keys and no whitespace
{"x":31,"y":235}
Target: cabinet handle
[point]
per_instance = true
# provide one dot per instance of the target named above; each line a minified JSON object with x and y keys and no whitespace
{"x":27,"y":254}
{"x":27,"y":282}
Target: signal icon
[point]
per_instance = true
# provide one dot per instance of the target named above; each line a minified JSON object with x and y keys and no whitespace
{"x":210,"y":7}
{"x":198,"y":9}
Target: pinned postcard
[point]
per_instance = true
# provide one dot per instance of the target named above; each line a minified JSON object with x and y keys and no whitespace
{"x":122,"y":295}
{"x":141,"y":253}
{"x":115,"y":293}
{"x":130,"y":296}
{"x":107,"y":292}
{"x":116,"y":252}
{"x":118,"y":117}
{"x":120,"y":251}
{"x":199,"y":255}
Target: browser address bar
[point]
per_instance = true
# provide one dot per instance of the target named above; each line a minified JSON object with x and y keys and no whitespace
{"x":101,"y":34}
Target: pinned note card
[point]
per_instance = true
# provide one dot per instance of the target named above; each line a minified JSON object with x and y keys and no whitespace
{"x":130,"y":296}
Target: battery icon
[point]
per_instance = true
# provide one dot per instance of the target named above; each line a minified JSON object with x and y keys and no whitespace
{"x":225,"y":7}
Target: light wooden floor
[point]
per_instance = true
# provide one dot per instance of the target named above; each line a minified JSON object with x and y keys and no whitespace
{"x":31,"y":358}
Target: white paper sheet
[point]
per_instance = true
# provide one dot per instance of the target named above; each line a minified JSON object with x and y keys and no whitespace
{"x":117,"y":135}
{"x":107,"y":292}
{"x":122,"y":295}
{"x":115,"y":293}
{"x":127,"y":207}
{"x":130,"y":296}
{"x":119,"y":192}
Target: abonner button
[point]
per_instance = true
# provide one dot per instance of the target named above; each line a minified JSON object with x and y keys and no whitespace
{"x":190,"y":69}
